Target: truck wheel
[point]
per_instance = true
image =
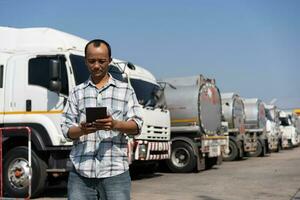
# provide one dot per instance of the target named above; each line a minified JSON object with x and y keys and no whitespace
{"x":233,"y":152}
{"x":16,"y":173}
{"x":241,"y":152}
{"x":259,"y":150}
{"x":182,"y":158}
{"x":210,"y":162}
{"x":278,"y":146}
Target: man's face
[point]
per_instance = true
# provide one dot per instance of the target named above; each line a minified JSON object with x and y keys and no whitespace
{"x":97,"y":60}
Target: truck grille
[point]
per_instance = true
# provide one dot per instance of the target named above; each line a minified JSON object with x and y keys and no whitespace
{"x":155,"y":150}
{"x":157,"y":132}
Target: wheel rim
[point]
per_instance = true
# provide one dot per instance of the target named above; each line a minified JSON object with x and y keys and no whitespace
{"x":18,"y":173}
{"x":180,"y":157}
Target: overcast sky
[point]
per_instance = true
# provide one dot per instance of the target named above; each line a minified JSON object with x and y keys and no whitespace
{"x":249,"y":47}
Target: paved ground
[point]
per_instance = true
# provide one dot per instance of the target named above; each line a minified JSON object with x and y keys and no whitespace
{"x":276,"y":177}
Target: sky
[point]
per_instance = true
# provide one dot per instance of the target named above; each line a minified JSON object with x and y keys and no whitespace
{"x":250,"y":47}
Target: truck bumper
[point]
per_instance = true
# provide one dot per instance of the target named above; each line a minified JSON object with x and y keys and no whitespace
{"x":150,"y":150}
{"x":250,"y":142}
{"x":214,"y":146}
{"x":273,"y":143}
{"x":286,"y":143}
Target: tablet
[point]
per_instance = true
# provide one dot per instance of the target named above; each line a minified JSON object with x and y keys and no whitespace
{"x":94,"y":113}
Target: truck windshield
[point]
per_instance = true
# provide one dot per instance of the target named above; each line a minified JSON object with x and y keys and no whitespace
{"x":145,"y":92}
{"x":284,"y":121}
{"x":269,"y":115}
{"x":80,"y":70}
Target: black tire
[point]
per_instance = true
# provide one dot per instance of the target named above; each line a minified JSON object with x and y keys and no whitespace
{"x":241,"y":152}
{"x":278,"y":146}
{"x":290,"y":144}
{"x":210,"y":162}
{"x":259,"y":150}
{"x":233,"y":152}
{"x":19,"y":156}
{"x":182,"y":158}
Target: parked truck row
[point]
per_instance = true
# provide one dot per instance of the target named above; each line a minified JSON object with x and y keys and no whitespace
{"x":188,"y":124}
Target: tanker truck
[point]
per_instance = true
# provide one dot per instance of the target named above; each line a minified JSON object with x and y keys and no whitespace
{"x":273,"y":127}
{"x":255,"y":123}
{"x":197,"y":135}
{"x":234,"y":113}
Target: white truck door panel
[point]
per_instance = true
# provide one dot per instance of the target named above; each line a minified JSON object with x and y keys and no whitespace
{"x":43,"y":101}
{"x":14,"y":85}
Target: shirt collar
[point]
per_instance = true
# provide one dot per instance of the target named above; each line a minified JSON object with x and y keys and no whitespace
{"x":111,"y":81}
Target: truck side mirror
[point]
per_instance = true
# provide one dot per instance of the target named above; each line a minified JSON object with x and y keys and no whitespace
{"x":55,"y":75}
{"x":131,"y":66}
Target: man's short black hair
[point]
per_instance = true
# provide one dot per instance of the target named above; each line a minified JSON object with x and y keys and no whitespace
{"x":97,"y":43}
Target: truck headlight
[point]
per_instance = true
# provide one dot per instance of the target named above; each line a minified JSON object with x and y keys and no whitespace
{"x":142,"y":151}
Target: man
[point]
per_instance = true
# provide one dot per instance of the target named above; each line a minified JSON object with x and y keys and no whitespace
{"x":99,"y":154}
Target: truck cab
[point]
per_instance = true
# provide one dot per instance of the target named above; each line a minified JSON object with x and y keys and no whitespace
{"x":289,"y":135}
{"x":153,"y":144}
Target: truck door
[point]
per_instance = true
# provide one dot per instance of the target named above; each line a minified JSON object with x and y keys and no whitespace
{"x":15,"y":75}
{"x":39,"y":97}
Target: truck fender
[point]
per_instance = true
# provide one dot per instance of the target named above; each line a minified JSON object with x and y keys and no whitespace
{"x":39,"y":136}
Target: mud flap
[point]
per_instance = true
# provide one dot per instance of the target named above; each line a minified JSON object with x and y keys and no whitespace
{"x":241,"y":149}
{"x":200,"y":162}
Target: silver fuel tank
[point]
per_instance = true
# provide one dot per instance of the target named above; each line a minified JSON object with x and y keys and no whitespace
{"x":255,"y":114}
{"x":195,"y":104}
{"x":233,"y":111}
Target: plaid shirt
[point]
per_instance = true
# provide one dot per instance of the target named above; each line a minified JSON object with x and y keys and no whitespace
{"x":103,"y":153}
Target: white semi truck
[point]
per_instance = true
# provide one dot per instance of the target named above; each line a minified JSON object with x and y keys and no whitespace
{"x":38,"y":68}
{"x":198,"y":139}
{"x":256,"y":123}
{"x":153,"y":144}
{"x":296,"y":121}
{"x":289,"y":134}
{"x":273,"y":127}
{"x":240,"y":141}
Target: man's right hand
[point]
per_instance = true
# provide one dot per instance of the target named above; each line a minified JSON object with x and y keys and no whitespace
{"x":83,"y":129}
{"x":87,"y":128}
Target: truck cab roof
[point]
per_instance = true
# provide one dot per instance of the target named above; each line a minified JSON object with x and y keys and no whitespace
{"x":39,"y":39}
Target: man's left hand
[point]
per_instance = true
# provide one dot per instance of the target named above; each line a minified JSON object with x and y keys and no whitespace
{"x":106,"y":124}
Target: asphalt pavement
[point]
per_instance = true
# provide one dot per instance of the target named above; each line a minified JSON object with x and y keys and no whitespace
{"x":274,"y":177}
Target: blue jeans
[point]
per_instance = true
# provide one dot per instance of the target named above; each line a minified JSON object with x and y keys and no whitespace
{"x":110,"y":188}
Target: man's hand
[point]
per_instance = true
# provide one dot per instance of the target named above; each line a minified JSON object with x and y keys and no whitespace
{"x":106,"y":124}
{"x":83,"y":129}
{"x":87,"y":128}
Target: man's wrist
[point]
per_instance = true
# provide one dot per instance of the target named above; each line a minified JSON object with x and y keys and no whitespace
{"x":115,"y":125}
